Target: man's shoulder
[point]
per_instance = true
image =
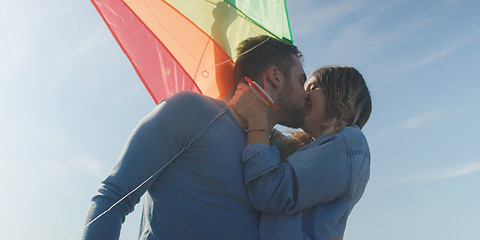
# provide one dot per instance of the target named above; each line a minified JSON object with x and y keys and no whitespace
{"x":188,"y":104}
{"x":189,"y":99}
{"x":188,"y":95}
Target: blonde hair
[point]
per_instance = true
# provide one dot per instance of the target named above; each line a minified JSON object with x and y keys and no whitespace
{"x":348,"y":103}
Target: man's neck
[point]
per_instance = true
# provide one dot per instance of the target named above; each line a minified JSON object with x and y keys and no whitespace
{"x":243,"y":124}
{"x":226,"y":99}
{"x":228,"y":96}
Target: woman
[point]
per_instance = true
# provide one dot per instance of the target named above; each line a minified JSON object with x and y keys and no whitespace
{"x":310,"y":193}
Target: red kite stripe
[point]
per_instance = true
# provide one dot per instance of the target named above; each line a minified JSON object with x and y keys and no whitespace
{"x":154,"y":64}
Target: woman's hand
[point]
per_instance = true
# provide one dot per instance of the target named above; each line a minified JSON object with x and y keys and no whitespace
{"x":250,"y":107}
{"x":254,"y":112}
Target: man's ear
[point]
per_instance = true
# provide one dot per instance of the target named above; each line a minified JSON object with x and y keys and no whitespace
{"x":273,"y":75}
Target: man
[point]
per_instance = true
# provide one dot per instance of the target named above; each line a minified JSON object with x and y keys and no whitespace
{"x":201,"y":193}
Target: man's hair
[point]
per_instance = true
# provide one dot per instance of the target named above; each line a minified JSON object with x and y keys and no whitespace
{"x":256,"y":54}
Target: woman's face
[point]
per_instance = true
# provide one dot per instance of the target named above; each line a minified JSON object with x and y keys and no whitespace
{"x":317,"y":112}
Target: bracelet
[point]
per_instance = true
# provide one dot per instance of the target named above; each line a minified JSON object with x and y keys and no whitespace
{"x":260,"y":130}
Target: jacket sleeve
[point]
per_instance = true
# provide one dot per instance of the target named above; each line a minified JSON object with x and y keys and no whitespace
{"x":150,"y":146}
{"x":313,"y":175}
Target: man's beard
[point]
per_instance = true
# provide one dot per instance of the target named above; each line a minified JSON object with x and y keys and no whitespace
{"x":292,"y":114}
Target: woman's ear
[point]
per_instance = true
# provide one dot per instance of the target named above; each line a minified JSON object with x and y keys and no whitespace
{"x":273,"y":75}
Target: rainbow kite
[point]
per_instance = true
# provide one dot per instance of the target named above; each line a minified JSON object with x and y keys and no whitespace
{"x":177,"y":45}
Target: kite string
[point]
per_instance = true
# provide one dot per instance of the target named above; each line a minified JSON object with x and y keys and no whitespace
{"x":249,"y":50}
{"x":153,"y":175}
{"x":169,"y":162}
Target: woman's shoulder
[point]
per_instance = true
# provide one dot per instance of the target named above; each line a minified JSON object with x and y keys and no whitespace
{"x":351,"y":131}
{"x":354,"y":138}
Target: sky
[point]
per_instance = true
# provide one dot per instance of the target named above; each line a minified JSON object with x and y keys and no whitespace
{"x":69,"y":99}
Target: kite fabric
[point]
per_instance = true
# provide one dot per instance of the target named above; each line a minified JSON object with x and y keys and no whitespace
{"x":177,"y":45}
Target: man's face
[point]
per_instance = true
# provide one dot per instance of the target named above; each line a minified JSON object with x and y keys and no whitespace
{"x":292,"y":97}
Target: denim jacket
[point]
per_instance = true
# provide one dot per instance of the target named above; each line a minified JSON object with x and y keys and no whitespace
{"x":311,"y":194}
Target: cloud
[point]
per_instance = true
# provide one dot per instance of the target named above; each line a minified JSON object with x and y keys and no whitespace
{"x":446,"y":173}
{"x":15,"y":43}
{"x":62,"y":163}
{"x":436,"y":175}
{"x":362,"y":31}
{"x":316,"y":18}
{"x":411,"y":123}
{"x":416,"y":121}
{"x":358,"y":31}
{"x":95,"y":39}
{"x":436,"y":54}
{"x":50,"y":150}
{"x":319,"y":17}
{"x":20,"y":25}
{"x":51,"y":9}
{"x":62,"y":6}
{"x":86,"y":165}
